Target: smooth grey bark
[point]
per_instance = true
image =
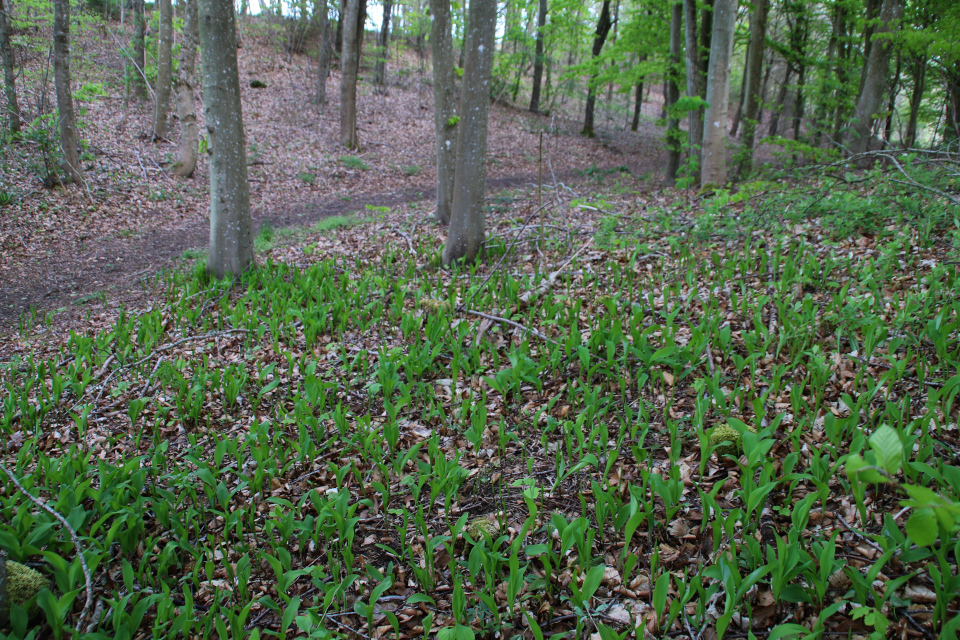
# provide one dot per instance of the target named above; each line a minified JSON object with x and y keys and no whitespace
{"x":323,"y":54}
{"x":164,"y":69}
{"x":877,"y":71}
{"x":538,"y":59}
{"x":139,"y":49}
{"x":231,"y":238}
{"x":465,"y":236}
{"x":383,"y":46}
{"x":673,"y":94}
{"x":350,"y":66}
{"x":9,"y":77}
{"x":694,"y":84}
{"x":61,"y":75}
{"x":603,"y":28}
{"x":753,"y":97}
{"x":444,"y":106}
{"x":186,"y":111}
{"x":714,"y":169}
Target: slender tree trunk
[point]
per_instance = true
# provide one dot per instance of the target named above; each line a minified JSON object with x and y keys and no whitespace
{"x":444,"y":106}
{"x":348,"y":79}
{"x":603,"y":28}
{"x":872,"y":13}
{"x":781,"y":102}
{"x":840,"y":70}
{"x":738,"y":115}
{"x":186,"y":110}
{"x":164,"y":69}
{"x":951,"y":125}
{"x":61,"y":71}
{"x":323,"y":55}
{"x":638,"y":99}
{"x":916,"y":97}
{"x":6,"y":56}
{"x":763,"y":89}
{"x":706,"y":35}
{"x":465,"y":236}
{"x":383,"y":46}
{"x":139,"y":49}
{"x":694,"y":81}
{"x":892,"y":104}
{"x":231,"y":237}
{"x":718,"y":94}
{"x":878,"y":69}
{"x":674,"y":147}
{"x":538,"y":61}
{"x":753,"y":96}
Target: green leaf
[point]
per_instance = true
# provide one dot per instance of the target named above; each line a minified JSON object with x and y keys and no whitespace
{"x":592,"y":582}
{"x":886,"y":444}
{"x":922,"y":526}
{"x":463,"y":632}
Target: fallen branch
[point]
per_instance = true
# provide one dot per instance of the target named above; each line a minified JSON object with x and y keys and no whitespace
{"x":548,"y":283}
{"x":517,"y":325}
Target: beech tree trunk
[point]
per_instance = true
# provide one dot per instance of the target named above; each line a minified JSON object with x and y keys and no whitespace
{"x":638,"y":99}
{"x":753,"y":97}
{"x":919,"y":85}
{"x":673,"y":95}
{"x":876,"y":76}
{"x":465,"y":236}
{"x":718,"y":94}
{"x":186,"y":110}
{"x":6,"y":56}
{"x":444,"y":106}
{"x":383,"y":46}
{"x":323,"y":55}
{"x":538,"y":60}
{"x":694,"y":84}
{"x":350,"y":66}
{"x":231,"y":237}
{"x":61,"y":74}
{"x":603,"y":28}
{"x":139,"y":49}
{"x":164,"y":69}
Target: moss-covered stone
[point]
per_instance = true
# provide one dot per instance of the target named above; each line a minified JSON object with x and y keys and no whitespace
{"x":725,"y":433}
{"x":481,"y":525}
{"x":23,"y":583}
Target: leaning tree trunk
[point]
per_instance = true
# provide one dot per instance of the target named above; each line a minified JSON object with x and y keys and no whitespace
{"x":603,"y":28}
{"x":638,"y":99}
{"x":164,"y":69}
{"x":916,"y":97}
{"x":348,"y":78}
{"x":718,"y":94}
{"x":753,"y":97}
{"x":383,"y":46}
{"x":444,"y":106}
{"x":875,"y":83}
{"x":61,"y":74}
{"x":6,"y":56}
{"x":139,"y":49}
{"x":694,"y":85}
{"x":673,"y":95}
{"x":185,"y":105}
{"x":538,"y":60}
{"x":323,"y":55}
{"x":465,"y":236}
{"x":231,"y":238}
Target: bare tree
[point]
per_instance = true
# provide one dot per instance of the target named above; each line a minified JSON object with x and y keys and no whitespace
{"x":714,"y":169}
{"x":383,"y":46}
{"x":465,"y":236}
{"x":444,"y":106}
{"x":350,"y":67}
{"x":673,"y":95}
{"x":231,"y":238}
{"x":61,"y":74}
{"x":875,"y":76}
{"x":6,"y":56}
{"x":603,"y":28}
{"x":753,"y":97}
{"x":538,"y":60}
{"x":164,"y":69}
{"x":185,"y":105}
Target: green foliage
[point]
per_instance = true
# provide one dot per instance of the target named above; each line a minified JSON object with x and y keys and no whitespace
{"x":354,"y":163}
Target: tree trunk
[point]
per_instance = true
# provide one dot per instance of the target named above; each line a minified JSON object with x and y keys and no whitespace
{"x":139,"y":50}
{"x":718,"y":94}
{"x":444,"y":106}
{"x":706,"y":34}
{"x":6,"y":56}
{"x":916,"y":97}
{"x":538,"y":61}
{"x":738,"y":115}
{"x":892,"y":104}
{"x":164,"y":70}
{"x":638,"y":100}
{"x":383,"y":46}
{"x":186,"y":110}
{"x":61,"y":71}
{"x":231,"y":237}
{"x":781,"y":102}
{"x":674,"y":146}
{"x":465,"y":236}
{"x":872,"y":13}
{"x":323,"y":55}
{"x":753,"y":97}
{"x":350,"y":66}
{"x":951,"y":125}
{"x":694,"y":80}
{"x":603,"y":28}
{"x":878,"y":68}
{"x":840,"y":70}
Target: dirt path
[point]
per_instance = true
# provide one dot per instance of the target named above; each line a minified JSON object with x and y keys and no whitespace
{"x":117,"y":267}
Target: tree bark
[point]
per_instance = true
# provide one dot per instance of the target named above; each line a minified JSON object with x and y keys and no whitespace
{"x":951,"y":126}
{"x":383,"y":46}
{"x":61,"y":71}
{"x":718,"y":94}
{"x":350,"y":66}
{"x":164,"y":69}
{"x":538,"y":60}
{"x":753,"y":97}
{"x":892,"y":104}
{"x":186,"y":111}
{"x":694,"y":79}
{"x":465,"y":236}
{"x":738,"y":116}
{"x":674,"y":146}
{"x":231,"y":237}
{"x":603,"y":28}
{"x":323,"y":55}
{"x":139,"y":50}
{"x":781,"y":102}
{"x":6,"y":56}
{"x":916,"y":97}
{"x":444,"y":106}
{"x":876,"y":75}
{"x":638,"y":99}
